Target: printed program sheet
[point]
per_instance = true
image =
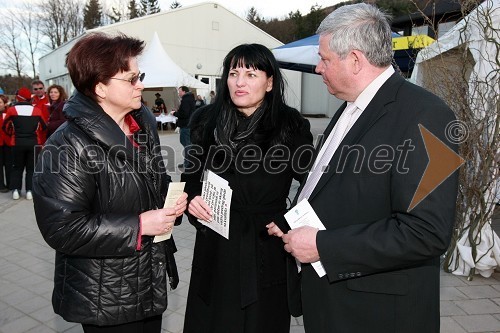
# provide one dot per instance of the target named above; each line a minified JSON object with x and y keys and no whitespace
{"x":217,"y":194}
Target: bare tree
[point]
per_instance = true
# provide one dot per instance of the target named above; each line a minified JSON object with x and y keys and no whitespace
{"x":467,"y":77}
{"x":60,"y":20}
{"x":12,"y":48}
{"x":115,"y":12}
{"x":31,"y":36}
{"x":112,"y":16}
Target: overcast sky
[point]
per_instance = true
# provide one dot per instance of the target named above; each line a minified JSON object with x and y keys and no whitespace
{"x":266,"y":8}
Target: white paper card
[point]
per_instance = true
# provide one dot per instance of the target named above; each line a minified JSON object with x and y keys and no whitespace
{"x":304,"y":215}
{"x":217,"y":194}
{"x":175,"y":190}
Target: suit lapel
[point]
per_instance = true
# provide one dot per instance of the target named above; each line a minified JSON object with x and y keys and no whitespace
{"x":373,"y":112}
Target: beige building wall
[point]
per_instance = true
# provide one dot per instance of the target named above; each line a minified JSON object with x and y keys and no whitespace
{"x":196,"y":37}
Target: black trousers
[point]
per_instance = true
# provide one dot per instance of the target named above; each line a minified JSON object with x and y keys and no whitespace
{"x":148,"y":325}
{"x":5,"y":165}
{"x":23,"y":157}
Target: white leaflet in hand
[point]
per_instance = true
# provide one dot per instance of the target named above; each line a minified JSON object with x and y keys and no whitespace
{"x":216,"y":179}
{"x":304,"y":215}
{"x":217,"y":194}
{"x":175,"y":190}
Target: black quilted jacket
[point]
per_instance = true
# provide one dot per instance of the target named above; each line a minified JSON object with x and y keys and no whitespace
{"x":90,"y":185}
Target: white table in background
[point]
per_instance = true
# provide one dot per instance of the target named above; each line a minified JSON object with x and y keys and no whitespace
{"x":165,"y":119}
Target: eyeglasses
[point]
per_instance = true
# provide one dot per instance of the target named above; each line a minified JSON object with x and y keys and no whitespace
{"x":38,"y":88}
{"x":133,"y":80}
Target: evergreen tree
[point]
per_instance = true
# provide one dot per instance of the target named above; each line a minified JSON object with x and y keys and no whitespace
{"x":144,"y":8}
{"x":154,"y":6}
{"x":116,"y":16}
{"x":253,"y":16}
{"x":133,"y":12}
{"x":312,"y":20}
{"x":300,"y":26}
{"x":92,"y":14}
{"x":175,"y":4}
{"x":396,"y":7}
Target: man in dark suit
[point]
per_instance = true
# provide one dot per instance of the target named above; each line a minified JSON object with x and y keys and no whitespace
{"x":380,"y":250}
{"x":186,"y":108}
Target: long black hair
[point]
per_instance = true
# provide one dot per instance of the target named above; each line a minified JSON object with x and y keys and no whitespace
{"x":270,"y":123}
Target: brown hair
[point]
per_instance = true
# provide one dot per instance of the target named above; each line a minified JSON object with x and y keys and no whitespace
{"x":37,"y":82}
{"x":5,"y":100}
{"x":97,"y":57}
{"x":62,"y":93}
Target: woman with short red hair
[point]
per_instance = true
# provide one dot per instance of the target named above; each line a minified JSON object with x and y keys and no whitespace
{"x":98,"y":193}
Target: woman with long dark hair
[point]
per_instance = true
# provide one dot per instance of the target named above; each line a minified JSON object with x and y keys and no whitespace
{"x":58,"y":97}
{"x":252,"y":139}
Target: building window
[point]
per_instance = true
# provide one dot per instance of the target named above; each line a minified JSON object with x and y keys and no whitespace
{"x":421,"y":30}
{"x":444,"y":28}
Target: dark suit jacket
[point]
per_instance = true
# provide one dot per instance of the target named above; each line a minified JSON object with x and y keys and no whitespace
{"x":186,"y":109}
{"x":382,"y":261}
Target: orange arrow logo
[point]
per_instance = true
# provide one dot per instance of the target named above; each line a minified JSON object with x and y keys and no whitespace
{"x":443,"y":161}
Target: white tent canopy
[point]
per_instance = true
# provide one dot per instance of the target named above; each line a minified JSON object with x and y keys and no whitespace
{"x":477,"y":43}
{"x":162,"y":71}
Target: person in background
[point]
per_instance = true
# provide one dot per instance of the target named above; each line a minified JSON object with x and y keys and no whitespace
{"x":380,"y":252}
{"x":183,"y":114}
{"x":25,"y":127}
{"x":212,"y":96}
{"x":58,"y":98}
{"x":160,"y":104}
{"x":102,"y":208}
{"x":256,"y":142}
{"x":199,"y":101}
{"x":5,"y":159}
{"x":40,"y":98}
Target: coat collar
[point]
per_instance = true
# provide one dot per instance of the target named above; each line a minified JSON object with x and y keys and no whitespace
{"x":375,"y":110}
{"x":98,"y":125}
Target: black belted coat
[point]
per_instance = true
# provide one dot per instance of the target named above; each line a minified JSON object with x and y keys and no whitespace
{"x":240,"y":284}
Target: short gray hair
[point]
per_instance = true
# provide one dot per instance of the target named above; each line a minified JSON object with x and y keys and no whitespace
{"x":360,"y":27}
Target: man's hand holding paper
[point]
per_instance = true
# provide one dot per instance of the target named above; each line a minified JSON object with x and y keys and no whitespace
{"x":301,"y":243}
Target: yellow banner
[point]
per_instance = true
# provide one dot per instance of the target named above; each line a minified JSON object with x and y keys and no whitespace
{"x":411,"y":42}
